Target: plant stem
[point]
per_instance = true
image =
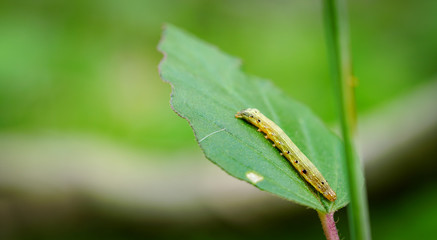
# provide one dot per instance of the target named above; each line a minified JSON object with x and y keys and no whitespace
{"x":328,"y":225}
{"x":337,"y":37}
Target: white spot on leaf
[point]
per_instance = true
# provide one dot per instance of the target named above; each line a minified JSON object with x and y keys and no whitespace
{"x":254,"y":178}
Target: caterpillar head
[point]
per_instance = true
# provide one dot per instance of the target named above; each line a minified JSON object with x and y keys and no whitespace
{"x":247,"y":113}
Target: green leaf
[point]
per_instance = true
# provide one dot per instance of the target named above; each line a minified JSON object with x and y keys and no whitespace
{"x":208,"y":88}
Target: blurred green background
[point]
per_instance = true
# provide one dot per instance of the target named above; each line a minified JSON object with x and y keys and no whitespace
{"x":90,"y":148}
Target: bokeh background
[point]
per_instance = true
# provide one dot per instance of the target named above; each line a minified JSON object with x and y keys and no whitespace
{"x":90,"y":148}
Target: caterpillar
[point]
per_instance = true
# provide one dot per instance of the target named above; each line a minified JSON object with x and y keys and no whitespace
{"x":289,"y":150}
